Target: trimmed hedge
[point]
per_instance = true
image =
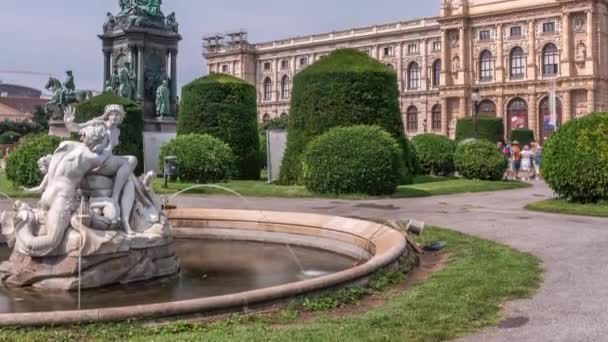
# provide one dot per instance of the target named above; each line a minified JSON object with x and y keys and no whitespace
{"x":435,"y":154}
{"x":9,"y":138}
{"x":575,"y":159}
{"x":488,"y":128}
{"x":131,"y":141}
{"x":480,"y":160}
{"x":345,"y":88}
{"x":22,"y":164}
{"x":523,"y":135}
{"x":224,"y":107}
{"x":353,"y":160}
{"x":201,"y":158}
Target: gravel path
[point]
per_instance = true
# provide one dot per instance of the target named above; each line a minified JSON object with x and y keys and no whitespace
{"x":571,"y":304}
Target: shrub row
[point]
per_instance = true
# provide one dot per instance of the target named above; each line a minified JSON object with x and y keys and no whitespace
{"x":488,"y":128}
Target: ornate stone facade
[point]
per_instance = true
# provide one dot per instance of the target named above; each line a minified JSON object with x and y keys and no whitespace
{"x":520,"y":54}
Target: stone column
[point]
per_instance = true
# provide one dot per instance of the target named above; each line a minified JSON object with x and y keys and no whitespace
{"x":531,"y":51}
{"x":464,"y":61}
{"x":424,"y":72}
{"x":444,"y":58}
{"x":463,"y":107}
{"x":500,"y":107}
{"x":566,"y":55}
{"x":173,"y":85}
{"x":400,"y":66}
{"x":140,"y":72}
{"x":445,"y":120}
{"x":591,"y":100}
{"x":590,"y":41}
{"x":107,"y":73}
{"x":567,"y":114}
{"x":500,"y":70}
{"x":132,"y":53}
{"x":292,"y":64}
{"x":276,"y":81}
{"x":533,"y":114}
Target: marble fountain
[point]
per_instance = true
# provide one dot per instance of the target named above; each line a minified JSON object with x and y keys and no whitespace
{"x":101,"y":246}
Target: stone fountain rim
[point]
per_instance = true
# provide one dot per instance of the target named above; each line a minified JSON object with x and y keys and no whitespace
{"x":387,"y":245}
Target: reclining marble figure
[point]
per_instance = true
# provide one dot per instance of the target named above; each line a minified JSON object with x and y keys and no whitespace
{"x":93,"y":206}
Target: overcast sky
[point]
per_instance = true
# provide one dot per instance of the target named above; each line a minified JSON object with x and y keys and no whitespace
{"x":57,"y":35}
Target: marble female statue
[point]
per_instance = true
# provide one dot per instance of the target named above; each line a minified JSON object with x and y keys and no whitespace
{"x":118,"y":167}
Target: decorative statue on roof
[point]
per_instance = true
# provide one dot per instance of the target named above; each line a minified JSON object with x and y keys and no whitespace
{"x":139,"y":7}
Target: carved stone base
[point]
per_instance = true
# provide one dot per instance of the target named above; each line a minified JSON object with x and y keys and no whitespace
{"x":58,"y":129}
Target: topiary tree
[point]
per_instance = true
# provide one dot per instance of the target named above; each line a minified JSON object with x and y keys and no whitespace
{"x":22,"y":164}
{"x":201,"y":158}
{"x":480,"y":160}
{"x":435,"y":153}
{"x":131,"y":130}
{"x":524,"y":136}
{"x":350,"y":160}
{"x":224,"y":107}
{"x":575,"y":159}
{"x":488,"y":128}
{"x":345,"y":88}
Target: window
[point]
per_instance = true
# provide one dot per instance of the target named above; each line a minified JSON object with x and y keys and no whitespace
{"x":517,"y":112}
{"x":267,"y":66}
{"x":285,"y":87}
{"x":266,"y":118}
{"x":412,"y":119}
{"x":518,"y":63}
{"x":225,"y":68}
{"x":515,"y":31}
{"x":550,"y":60}
{"x":303,"y":61}
{"x":283,"y":115}
{"x":437,"y":73}
{"x":412,"y":49}
{"x":390,"y":66}
{"x":4,"y":94}
{"x":267,"y":89}
{"x":549,"y":27}
{"x":388,"y":51}
{"x":436,"y":118}
{"x":550,"y":117}
{"x":484,"y":35}
{"x":486,"y":66}
{"x":436,"y":46}
{"x":487,"y":107}
{"x":413,"y":76}
{"x":284,"y":64}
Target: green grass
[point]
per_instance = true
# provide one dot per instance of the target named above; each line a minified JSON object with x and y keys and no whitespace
{"x":460,"y":299}
{"x":561,"y":206}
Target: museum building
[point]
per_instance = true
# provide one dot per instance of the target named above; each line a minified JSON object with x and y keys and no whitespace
{"x":535,"y":63}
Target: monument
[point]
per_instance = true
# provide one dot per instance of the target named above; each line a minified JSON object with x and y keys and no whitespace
{"x":140,"y":46}
{"x":64,"y":94}
{"x":96,"y":223}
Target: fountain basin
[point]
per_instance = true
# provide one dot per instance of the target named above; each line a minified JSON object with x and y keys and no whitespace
{"x":369,"y":245}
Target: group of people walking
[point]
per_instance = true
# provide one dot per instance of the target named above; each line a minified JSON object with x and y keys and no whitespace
{"x":524,"y":163}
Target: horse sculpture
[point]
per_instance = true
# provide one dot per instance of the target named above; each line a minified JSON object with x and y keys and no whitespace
{"x":55,"y":86}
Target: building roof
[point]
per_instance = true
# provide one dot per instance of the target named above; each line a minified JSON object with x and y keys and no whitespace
{"x":10,"y":113}
{"x":24,"y":104}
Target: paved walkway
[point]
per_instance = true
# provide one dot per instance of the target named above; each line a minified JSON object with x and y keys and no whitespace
{"x":573,"y":300}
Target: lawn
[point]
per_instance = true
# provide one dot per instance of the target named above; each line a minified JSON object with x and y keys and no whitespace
{"x":460,"y":299}
{"x":561,"y":206}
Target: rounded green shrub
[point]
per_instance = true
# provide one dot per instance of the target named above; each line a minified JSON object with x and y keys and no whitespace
{"x":353,"y":160}
{"x":435,"y":154}
{"x":22,"y":164}
{"x":489,"y":128}
{"x":8,"y":138}
{"x":224,"y":107}
{"x":524,"y":136}
{"x":345,"y":88}
{"x":131,"y":141}
{"x":480,"y":160}
{"x":575,"y":159}
{"x":201,"y":158}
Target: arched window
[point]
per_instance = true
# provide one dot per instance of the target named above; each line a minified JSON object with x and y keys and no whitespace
{"x":550,"y":117}
{"x":486,"y":66}
{"x":437,"y":73}
{"x":285,"y":89}
{"x":283,"y":115}
{"x":436,"y":118}
{"x":412,"y":119}
{"x":518,"y":63}
{"x":550,"y":60}
{"x":390,"y":66}
{"x":487,"y":107}
{"x":413,"y":76}
{"x":267,"y":89}
{"x":266,"y":118}
{"x":517,"y":113}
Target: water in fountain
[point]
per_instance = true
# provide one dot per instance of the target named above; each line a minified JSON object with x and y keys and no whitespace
{"x":307,"y":273}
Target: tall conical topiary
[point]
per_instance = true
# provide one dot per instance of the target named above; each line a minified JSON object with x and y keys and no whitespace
{"x":345,"y":88}
{"x":225,"y":107}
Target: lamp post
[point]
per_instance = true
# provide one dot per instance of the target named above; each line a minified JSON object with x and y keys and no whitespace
{"x":475,"y":96}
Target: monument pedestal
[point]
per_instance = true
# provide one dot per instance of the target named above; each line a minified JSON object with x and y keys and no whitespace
{"x":57,"y":128}
{"x":166,"y":125}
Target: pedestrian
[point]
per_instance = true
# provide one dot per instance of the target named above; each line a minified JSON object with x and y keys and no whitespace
{"x":526,"y":163}
{"x":538,"y":152}
{"x":516,"y":156}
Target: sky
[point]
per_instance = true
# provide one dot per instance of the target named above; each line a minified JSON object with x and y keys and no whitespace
{"x":50,"y":37}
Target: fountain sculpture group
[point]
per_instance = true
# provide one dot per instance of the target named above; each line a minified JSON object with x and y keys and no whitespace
{"x":96,"y":224}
